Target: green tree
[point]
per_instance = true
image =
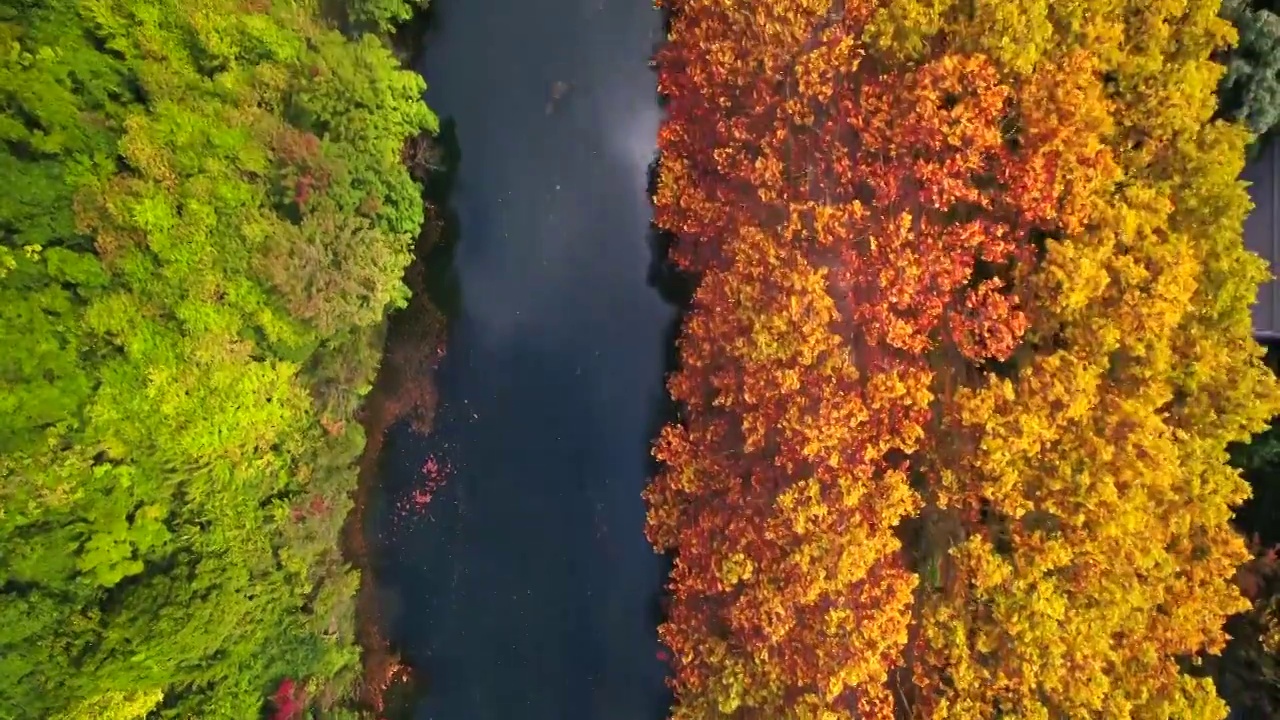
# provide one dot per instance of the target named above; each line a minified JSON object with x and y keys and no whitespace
{"x":382,"y":15}
{"x":176,"y":415}
{"x":1250,"y":90}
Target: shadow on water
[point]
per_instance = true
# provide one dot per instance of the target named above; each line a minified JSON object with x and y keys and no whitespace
{"x":677,"y":290}
{"x":442,"y":283}
{"x":1260,"y":515}
{"x":403,"y":393}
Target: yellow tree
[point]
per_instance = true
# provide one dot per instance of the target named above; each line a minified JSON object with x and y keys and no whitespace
{"x":975,"y":261}
{"x":1084,"y":491}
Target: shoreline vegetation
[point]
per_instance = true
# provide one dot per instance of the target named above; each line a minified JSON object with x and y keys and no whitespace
{"x":404,"y":391}
{"x":209,"y":211}
{"x":404,"y":387}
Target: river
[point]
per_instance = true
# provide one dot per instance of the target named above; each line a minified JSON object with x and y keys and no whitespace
{"x":526,"y":588}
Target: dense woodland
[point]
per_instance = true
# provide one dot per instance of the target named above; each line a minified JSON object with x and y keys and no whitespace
{"x":964,"y":385}
{"x":970,"y":342}
{"x":205,"y":219}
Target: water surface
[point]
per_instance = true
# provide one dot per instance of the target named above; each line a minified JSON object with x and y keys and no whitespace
{"x":528,"y":589}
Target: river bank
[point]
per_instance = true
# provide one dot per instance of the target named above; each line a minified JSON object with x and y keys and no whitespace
{"x":404,"y":389}
{"x":404,"y":392}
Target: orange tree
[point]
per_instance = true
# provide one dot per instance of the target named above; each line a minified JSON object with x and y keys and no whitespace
{"x":848,"y":218}
{"x":954,"y":292}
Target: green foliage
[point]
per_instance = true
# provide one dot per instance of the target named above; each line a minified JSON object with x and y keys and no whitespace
{"x":116,"y":706}
{"x":205,"y":220}
{"x":1261,"y":454}
{"x":1250,"y":90}
{"x":337,"y":270}
{"x":382,"y":15}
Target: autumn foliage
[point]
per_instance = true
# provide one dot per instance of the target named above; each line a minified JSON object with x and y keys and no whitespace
{"x":970,"y":339}
{"x":289,"y":700}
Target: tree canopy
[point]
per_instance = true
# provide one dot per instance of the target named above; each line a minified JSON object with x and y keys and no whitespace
{"x":970,"y":340}
{"x":1250,"y":89}
{"x":205,"y":220}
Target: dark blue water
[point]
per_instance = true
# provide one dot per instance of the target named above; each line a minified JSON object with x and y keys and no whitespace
{"x":528,"y":590}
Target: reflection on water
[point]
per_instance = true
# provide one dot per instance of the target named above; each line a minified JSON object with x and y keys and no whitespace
{"x":525,"y":587}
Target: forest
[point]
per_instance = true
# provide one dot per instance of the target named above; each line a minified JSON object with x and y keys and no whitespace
{"x":967,"y":361}
{"x":971,"y":421}
{"x":205,"y":219}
